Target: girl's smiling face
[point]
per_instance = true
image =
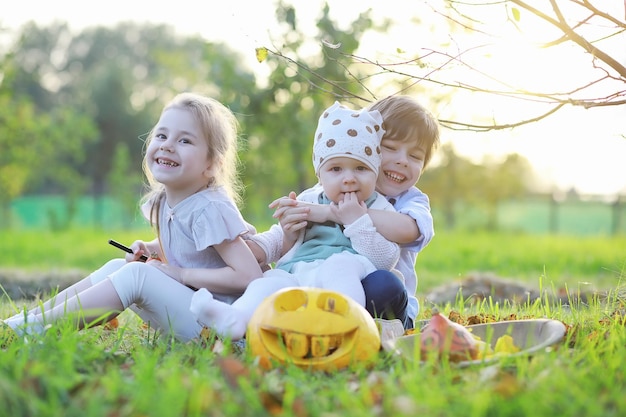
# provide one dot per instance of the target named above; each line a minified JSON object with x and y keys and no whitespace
{"x":177,"y":154}
{"x":341,"y":175}
{"x":401,"y":167}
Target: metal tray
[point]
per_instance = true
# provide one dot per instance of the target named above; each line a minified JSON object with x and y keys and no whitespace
{"x":529,"y":335}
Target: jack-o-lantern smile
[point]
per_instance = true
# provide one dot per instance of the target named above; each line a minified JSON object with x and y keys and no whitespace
{"x":312,"y":327}
{"x":305,"y":346}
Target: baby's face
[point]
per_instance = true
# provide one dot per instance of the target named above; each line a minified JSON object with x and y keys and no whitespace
{"x":342,"y":175}
{"x":401,"y":167}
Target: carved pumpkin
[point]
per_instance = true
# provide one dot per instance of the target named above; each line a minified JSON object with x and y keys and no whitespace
{"x":312,"y":328}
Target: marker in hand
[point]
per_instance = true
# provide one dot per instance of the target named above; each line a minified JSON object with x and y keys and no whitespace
{"x":143,"y":258}
{"x":118,"y":245}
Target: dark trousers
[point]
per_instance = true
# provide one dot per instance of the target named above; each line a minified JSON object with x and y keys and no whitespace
{"x":386,"y":297}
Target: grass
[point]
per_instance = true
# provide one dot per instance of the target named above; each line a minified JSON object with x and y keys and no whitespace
{"x":129,"y":371}
{"x":556,"y":259}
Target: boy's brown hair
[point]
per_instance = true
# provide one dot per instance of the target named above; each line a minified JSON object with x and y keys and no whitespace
{"x":405,"y":119}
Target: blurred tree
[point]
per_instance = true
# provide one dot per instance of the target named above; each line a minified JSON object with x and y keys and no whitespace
{"x":287,"y":109}
{"x":43,"y":146}
{"x":124,"y":180}
{"x":40,"y":146}
{"x":455,"y":182}
{"x":119,"y":77}
{"x":17,"y":165}
{"x":450,"y":182}
{"x":502,"y":180}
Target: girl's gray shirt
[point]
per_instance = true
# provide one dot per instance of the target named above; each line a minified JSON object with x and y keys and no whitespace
{"x":189,"y":230}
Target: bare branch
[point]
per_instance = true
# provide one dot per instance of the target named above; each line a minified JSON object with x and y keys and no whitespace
{"x":309,"y":71}
{"x":432,"y":66}
{"x":453,"y":125}
{"x":569,"y":32}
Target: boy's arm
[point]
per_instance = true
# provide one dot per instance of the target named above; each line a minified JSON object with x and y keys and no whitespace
{"x":397,"y":227}
{"x":363,"y":236}
{"x":394,"y":226}
{"x":270,"y":243}
{"x":366,"y":240}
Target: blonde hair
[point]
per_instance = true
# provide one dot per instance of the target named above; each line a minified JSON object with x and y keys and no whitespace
{"x":404,"y":119}
{"x":219,"y":127}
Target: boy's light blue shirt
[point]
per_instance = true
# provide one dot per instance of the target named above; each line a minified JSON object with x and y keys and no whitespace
{"x":414,"y":203}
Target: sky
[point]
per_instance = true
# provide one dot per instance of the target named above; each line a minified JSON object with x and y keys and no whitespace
{"x":575,"y":148}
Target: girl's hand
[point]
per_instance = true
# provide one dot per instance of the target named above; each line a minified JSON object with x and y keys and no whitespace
{"x":293,"y":210}
{"x":291,"y":225}
{"x":174,"y":272}
{"x":292,"y":217}
{"x":149,"y":249}
{"x":350,"y":209}
{"x":139,"y":248}
{"x":282,"y":204}
{"x":288,"y":201}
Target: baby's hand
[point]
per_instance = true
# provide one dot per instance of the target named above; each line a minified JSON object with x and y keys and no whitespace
{"x":318,"y":213}
{"x":350,"y":209}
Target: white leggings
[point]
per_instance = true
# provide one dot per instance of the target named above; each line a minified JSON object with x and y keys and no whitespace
{"x":158,"y":299}
{"x":341,"y":272}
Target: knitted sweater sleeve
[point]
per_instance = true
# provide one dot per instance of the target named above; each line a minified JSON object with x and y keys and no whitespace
{"x":271,"y":242}
{"x":366,"y":240}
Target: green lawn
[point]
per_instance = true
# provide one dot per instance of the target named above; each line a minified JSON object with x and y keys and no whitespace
{"x":129,"y":371}
{"x":558,"y":259}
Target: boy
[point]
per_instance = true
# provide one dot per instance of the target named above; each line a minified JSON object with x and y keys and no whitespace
{"x":410,"y":139}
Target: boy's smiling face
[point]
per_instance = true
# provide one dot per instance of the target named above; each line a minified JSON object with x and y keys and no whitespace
{"x":401,"y":167}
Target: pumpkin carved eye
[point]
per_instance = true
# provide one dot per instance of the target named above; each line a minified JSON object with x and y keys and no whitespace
{"x":291,"y":301}
{"x":333,"y":304}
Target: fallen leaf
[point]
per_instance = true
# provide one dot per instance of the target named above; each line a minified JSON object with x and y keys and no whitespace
{"x":112,"y":324}
{"x":232,"y":369}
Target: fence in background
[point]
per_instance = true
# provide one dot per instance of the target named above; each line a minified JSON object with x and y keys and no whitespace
{"x":56,"y":212}
{"x":549,"y":213}
{"x":539,"y":213}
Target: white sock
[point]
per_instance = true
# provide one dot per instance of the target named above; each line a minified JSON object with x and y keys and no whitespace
{"x":221,"y":317}
{"x":30,"y":324}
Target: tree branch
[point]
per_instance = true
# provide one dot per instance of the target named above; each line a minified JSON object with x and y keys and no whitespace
{"x":562,"y":25}
{"x":451,"y":124}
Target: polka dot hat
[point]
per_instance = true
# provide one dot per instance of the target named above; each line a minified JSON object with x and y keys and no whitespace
{"x":350,"y":133}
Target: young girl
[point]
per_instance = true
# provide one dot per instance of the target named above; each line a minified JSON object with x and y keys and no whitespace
{"x":346,"y":158}
{"x":190,"y":163}
{"x":410,"y":139}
